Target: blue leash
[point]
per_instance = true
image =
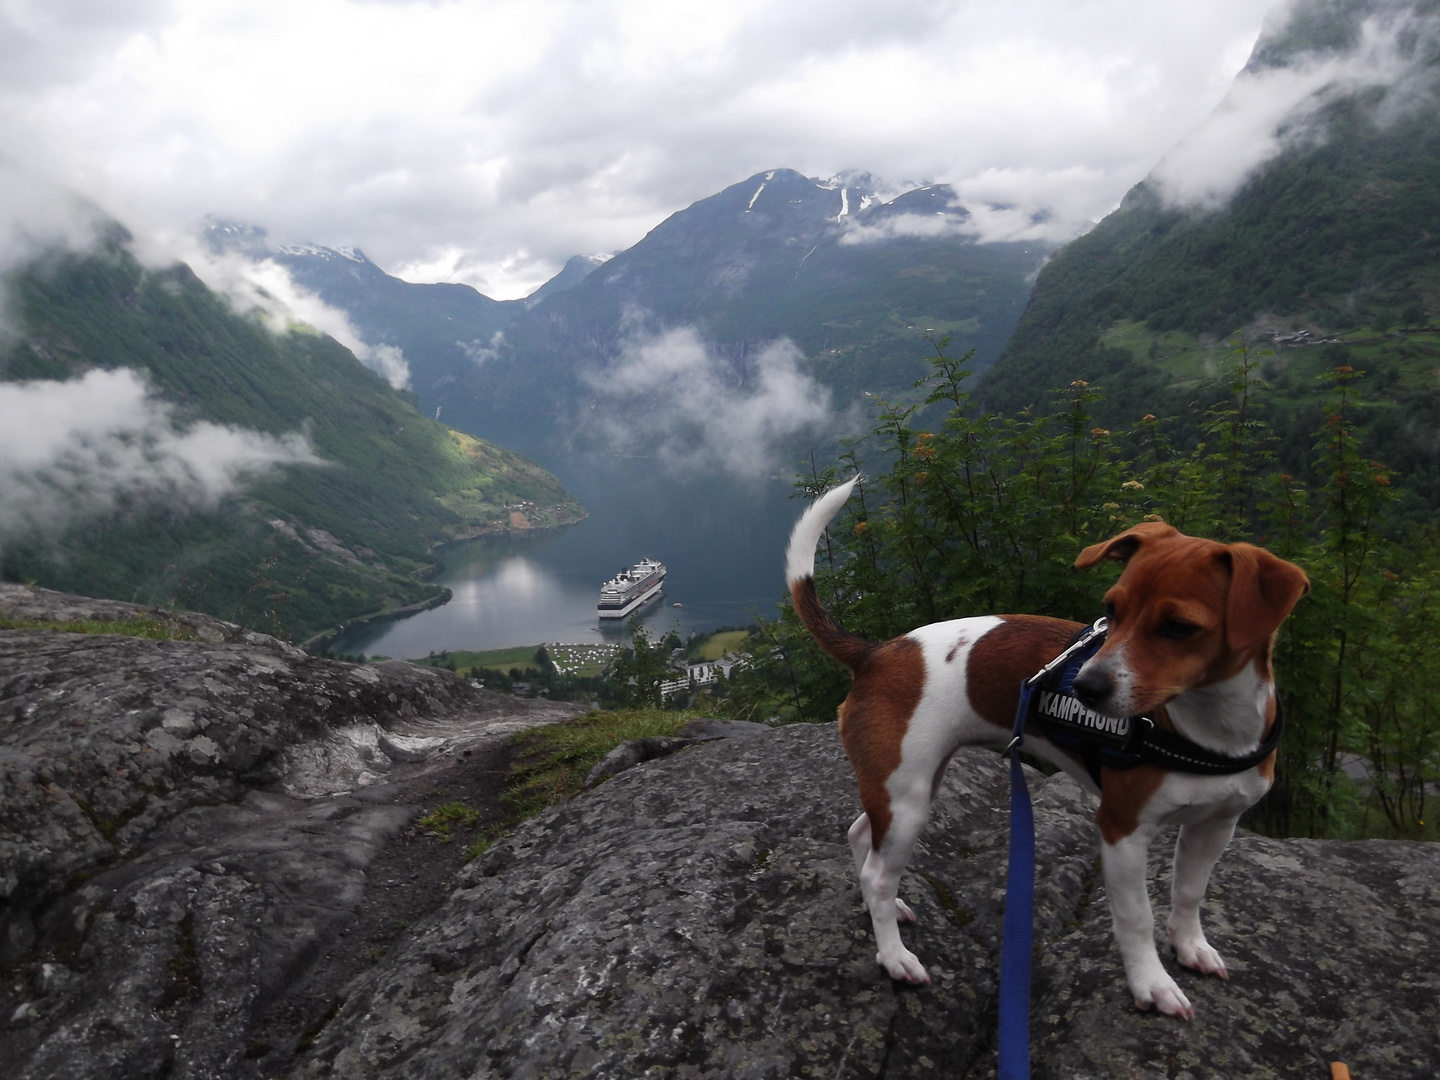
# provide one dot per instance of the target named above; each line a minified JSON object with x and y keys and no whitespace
{"x":1014,"y":1037}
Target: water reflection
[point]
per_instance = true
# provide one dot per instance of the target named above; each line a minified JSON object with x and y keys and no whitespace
{"x":721,"y":539}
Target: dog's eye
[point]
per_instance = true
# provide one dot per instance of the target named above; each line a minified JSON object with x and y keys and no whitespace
{"x":1177,"y":630}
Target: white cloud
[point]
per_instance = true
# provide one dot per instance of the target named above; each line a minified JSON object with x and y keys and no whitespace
{"x":930,"y":226}
{"x":1273,"y":108}
{"x":37,"y":215}
{"x":1051,"y":205}
{"x":701,"y":412}
{"x":265,"y":286}
{"x":74,"y":450}
{"x":479,"y":352}
{"x":487,"y":142}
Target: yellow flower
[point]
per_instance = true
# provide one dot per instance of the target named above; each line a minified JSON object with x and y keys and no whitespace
{"x":1133,"y":485}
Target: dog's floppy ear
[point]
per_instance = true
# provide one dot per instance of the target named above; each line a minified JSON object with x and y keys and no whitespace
{"x":1121,"y":547}
{"x":1263,"y":589}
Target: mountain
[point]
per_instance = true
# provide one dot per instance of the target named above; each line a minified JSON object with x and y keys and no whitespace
{"x":854,"y":278}
{"x":1326,"y":254}
{"x":440,"y":328}
{"x":342,"y":531}
{"x":856,"y":282}
{"x":576,"y":269}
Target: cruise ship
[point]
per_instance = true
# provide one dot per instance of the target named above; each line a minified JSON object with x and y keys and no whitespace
{"x":630,"y":588}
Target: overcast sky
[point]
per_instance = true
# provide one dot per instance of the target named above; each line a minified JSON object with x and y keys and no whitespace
{"x":485,"y":142}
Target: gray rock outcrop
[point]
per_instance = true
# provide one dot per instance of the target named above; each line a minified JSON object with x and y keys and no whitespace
{"x":185,"y":827}
{"x":192,"y":831}
{"x":694,"y":732}
{"x":696,"y":916}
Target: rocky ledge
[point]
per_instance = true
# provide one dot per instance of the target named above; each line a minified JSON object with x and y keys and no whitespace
{"x":695,"y":915}
{"x":186,"y":828}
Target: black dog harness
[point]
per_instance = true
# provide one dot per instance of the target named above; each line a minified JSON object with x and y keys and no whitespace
{"x":1111,"y":742}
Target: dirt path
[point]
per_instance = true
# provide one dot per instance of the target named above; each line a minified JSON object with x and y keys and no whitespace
{"x":406,"y":881}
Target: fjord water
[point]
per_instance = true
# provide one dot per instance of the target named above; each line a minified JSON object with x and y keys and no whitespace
{"x":722,"y":540}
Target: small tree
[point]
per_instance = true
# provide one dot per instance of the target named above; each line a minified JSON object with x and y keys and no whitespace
{"x":634,"y":677}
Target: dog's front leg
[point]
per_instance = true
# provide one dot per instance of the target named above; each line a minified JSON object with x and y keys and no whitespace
{"x":1196,"y":851}
{"x":1125,"y":880}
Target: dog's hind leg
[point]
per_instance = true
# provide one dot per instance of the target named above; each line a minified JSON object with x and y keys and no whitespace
{"x":859,"y":837}
{"x":908,"y":809}
{"x":1196,"y":851}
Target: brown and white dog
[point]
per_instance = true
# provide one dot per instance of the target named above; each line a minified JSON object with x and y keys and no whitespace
{"x":1191,"y":624}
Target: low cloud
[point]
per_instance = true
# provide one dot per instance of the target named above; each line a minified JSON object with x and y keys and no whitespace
{"x":1270,"y":109}
{"x":266,"y":287}
{"x":488,"y":142}
{"x":1019,"y":205}
{"x":38,"y":215}
{"x":925,"y":226}
{"x":478,"y":352}
{"x":699,"y":411}
{"x":75,"y":450}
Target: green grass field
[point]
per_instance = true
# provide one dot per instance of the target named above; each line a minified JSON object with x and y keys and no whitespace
{"x":717,"y":645}
{"x":551,"y":762}
{"x":501,"y":660}
{"x":584,"y":659}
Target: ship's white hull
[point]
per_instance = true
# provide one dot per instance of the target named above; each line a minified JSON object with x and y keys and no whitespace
{"x":630,"y":589}
{"x":621,"y":612}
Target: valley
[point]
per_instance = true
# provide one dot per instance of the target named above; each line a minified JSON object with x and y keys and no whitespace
{"x":346,"y":351}
{"x":461,"y":475}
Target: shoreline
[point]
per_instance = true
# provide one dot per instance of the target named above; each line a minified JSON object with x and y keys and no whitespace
{"x":486,"y":532}
{"x":319,"y":641}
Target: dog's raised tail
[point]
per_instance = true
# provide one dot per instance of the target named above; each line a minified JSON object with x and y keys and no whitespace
{"x":844,"y":646}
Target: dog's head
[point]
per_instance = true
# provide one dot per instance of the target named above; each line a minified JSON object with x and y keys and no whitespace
{"x":1186,"y":612}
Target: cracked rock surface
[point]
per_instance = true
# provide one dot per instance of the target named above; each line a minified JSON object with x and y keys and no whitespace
{"x":696,"y":916}
{"x":693,"y":916}
{"x":185,"y":828}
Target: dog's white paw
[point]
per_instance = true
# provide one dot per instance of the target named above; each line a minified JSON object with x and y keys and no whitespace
{"x":904,"y":966}
{"x":1166,"y":997}
{"x":1199,"y":956}
{"x":903,"y":912}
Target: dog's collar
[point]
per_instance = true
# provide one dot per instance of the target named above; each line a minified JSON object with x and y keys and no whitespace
{"x":1107,"y":742}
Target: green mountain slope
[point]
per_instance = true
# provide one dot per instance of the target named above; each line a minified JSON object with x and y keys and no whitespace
{"x":852,"y":281}
{"x":1328,"y":254}
{"x":303,"y":548}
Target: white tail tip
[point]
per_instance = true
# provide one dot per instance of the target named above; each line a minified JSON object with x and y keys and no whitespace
{"x":800,"y":555}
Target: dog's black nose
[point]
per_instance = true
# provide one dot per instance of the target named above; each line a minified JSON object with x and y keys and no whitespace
{"x":1092,"y":687}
